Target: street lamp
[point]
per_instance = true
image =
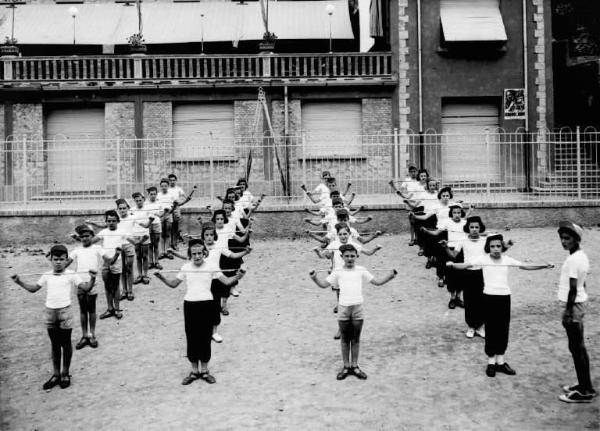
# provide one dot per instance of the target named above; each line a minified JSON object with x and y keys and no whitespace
{"x":73,"y":11}
{"x":202,"y":33}
{"x":330,"y":9}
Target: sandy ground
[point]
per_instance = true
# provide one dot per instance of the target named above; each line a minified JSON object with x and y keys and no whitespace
{"x":276,"y":368}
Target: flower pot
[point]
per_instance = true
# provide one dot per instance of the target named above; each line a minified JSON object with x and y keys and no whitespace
{"x":266,"y":45}
{"x":138,"y":49}
{"x":6,"y":50}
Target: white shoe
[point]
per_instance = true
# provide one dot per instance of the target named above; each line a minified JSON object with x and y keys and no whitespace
{"x":217,"y":338}
{"x":470,"y":333}
{"x":480,"y":332}
{"x":235,"y":292}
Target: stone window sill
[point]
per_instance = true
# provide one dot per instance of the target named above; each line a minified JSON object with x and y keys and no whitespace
{"x":215,"y":159}
{"x":334,"y":157}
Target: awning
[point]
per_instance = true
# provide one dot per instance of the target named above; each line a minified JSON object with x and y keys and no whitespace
{"x":472,"y":20}
{"x":166,"y":22}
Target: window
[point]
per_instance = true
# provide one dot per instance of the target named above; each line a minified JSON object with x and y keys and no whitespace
{"x":201,"y":131}
{"x":332,"y":129}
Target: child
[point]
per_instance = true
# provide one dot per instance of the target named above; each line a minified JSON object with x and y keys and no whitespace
{"x":321,"y":192}
{"x":59,"y":315}
{"x":112,"y":238}
{"x":167,"y":200}
{"x":349,"y":281}
{"x":143,"y":219}
{"x":496,"y":300}
{"x":159,"y":212}
{"x":199,"y":311}
{"x":408,"y":189}
{"x":87,"y":258}
{"x":178,"y":196}
{"x":425,"y":215}
{"x":572,"y":297}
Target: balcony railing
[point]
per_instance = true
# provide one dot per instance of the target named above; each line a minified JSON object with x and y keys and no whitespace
{"x":120,"y":68}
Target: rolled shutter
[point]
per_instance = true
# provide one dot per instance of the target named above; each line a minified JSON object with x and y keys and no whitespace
{"x":333,"y":128}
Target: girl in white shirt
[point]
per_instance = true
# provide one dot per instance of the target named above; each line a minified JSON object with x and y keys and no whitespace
{"x":496,"y":300}
{"x":199,"y":309}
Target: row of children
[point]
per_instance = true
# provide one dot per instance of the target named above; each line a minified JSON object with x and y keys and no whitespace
{"x":341,"y":244}
{"x":128,"y":234}
{"x":472,"y":262}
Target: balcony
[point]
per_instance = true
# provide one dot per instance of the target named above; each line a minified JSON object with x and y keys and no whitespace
{"x":152,"y":71}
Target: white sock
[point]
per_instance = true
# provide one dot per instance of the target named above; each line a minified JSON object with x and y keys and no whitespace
{"x":491,"y":360}
{"x":500,"y":359}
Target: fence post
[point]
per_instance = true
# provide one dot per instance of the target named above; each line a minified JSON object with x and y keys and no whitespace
{"x":8,"y":67}
{"x":396,"y":153}
{"x":487,"y":162}
{"x":303,"y":141}
{"x":118,"y":149}
{"x":211,"y":169}
{"x":24,"y":169}
{"x":578,"y":143}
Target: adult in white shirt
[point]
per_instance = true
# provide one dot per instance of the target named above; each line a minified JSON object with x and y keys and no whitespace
{"x":167,"y":200}
{"x":496,"y":300}
{"x":59,"y":316}
{"x":199,"y":311}
{"x":180,"y":197}
{"x":320,"y":194}
{"x":572,"y":297}
{"x":349,"y":281}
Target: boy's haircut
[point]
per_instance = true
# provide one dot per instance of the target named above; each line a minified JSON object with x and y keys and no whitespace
{"x":58,"y":250}
{"x":340,"y":226}
{"x":347,"y":247}
{"x":164,"y":180}
{"x":325,"y":174}
{"x":412,"y":168}
{"x":121,"y":201}
{"x":337,"y":201}
{"x":228,"y":201}
{"x":229,"y":190}
{"x":112,"y":213}
{"x":334,"y":192}
{"x":209,"y":226}
{"x":83,"y":228}
{"x":242,"y":180}
{"x":216,"y":213}
{"x":172,"y":176}
{"x":496,"y":237}
{"x":444,"y":190}
{"x":331,"y":180}
{"x":136,"y":195}
{"x":196,"y":243}
{"x":343,"y":213}
{"x":152,"y":189}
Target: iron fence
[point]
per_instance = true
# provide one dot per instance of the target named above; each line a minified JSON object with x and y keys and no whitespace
{"x":483,"y":167}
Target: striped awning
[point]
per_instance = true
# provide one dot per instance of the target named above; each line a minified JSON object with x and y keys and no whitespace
{"x":472,"y":20}
{"x":178,"y":22}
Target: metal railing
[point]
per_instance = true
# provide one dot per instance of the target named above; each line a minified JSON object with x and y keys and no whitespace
{"x":482,"y":167}
{"x":203,"y":67}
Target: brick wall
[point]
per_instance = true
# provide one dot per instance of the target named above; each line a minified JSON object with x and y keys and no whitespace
{"x":3,"y":190}
{"x":119,"y":131}
{"x":28,"y":123}
{"x":158,"y":129}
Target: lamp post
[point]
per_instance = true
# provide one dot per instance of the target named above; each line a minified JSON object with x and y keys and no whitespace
{"x":73,"y":11}
{"x":202,"y":34}
{"x":330,"y":9}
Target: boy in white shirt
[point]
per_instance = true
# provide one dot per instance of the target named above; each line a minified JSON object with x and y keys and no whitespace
{"x":159,"y":211}
{"x":87,"y":257}
{"x":349,"y":280}
{"x":572,"y":296}
{"x":179,"y":197}
{"x":167,"y":200}
{"x":59,"y":315}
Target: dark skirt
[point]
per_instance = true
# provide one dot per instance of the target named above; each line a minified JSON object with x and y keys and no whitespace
{"x":199,"y":318}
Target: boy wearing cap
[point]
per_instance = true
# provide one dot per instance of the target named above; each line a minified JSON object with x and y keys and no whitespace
{"x":572,"y":295}
{"x":87,"y":257}
{"x":59,"y":314}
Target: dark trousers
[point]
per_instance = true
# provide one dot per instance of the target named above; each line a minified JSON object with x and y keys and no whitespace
{"x":422,"y":238}
{"x":472,"y":282}
{"x":577,"y":348}
{"x":199,"y":317}
{"x":497,"y":323}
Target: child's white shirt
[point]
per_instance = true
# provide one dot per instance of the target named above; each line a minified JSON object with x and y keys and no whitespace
{"x":176,"y":192}
{"x":86,"y":259}
{"x":155,"y":209}
{"x":322,"y":192}
{"x":58,"y":292}
{"x":576,"y":265}
{"x":455,"y":230}
{"x":198,"y":281}
{"x":495,"y":273}
{"x":166,"y":199}
{"x":350,"y":282}
{"x":111,"y":239}
{"x":472,"y":249}
{"x":140,"y":215}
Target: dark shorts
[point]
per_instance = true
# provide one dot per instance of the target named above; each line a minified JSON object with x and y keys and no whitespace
{"x":59,"y":318}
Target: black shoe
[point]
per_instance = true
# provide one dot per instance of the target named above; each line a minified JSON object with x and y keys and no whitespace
{"x":343,"y":374}
{"x":459,"y":303}
{"x":54,"y":381}
{"x":65,"y":381}
{"x":428,"y":264}
{"x":505,"y":368}
{"x":452,"y":304}
{"x":158,"y":266}
{"x":82,"y":343}
{"x":490,"y":371}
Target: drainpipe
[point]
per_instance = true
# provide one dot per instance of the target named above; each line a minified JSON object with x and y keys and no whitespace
{"x":421,"y":148}
{"x":286,"y":128}
{"x":525,"y":66}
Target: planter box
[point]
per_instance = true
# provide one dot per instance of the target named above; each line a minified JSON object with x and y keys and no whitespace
{"x":266,"y":46}
{"x":9,"y":50}
{"x":138,"y":49}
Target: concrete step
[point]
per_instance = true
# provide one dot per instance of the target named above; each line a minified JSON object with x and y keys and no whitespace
{"x":50,"y":195}
{"x":588,"y":193}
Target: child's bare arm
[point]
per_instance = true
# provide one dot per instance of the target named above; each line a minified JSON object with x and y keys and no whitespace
{"x":352,"y":196}
{"x":321,"y":283}
{"x":356,"y":211}
{"x":459,"y":265}
{"x":174,"y":253}
{"x":384,"y":278}
{"x":313,"y":235}
{"x":31,"y":287}
{"x":431,"y":232}
{"x":173,"y":283}
{"x":363,"y":220}
{"x":86,"y":286}
{"x":228,"y":281}
{"x":451,"y":253}
{"x":369,"y":238}
{"x":313,"y":212}
{"x":309,"y":194}
{"x":96,"y":223}
{"x":370,"y":252}
{"x":314,"y":223}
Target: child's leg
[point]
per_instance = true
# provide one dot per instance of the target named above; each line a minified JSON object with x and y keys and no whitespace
{"x":138,"y":261}
{"x":155,"y":247}
{"x":175,"y":230}
{"x":144,"y":249}
{"x":108,"y":290}
{"x":83,"y":313}
{"x":55,"y":341}
{"x":67,"y":350}
{"x":91,"y":307}
{"x":116,"y":296}
{"x":346,"y":335}
{"x":355,"y":343}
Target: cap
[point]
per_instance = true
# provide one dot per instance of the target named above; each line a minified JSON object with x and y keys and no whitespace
{"x":568,"y":226}
{"x":455,"y":205}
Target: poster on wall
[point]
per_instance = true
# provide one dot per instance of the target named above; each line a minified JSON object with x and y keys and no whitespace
{"x":514,"y":104}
